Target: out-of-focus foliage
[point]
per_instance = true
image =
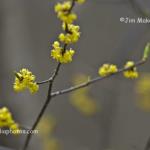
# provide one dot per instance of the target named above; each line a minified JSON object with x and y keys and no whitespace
{"x":143,"y":91}
{"x":82,"y":100}
{"x":46,"y":129}
{"x":47,"y":125}
{"x":51,"y":144}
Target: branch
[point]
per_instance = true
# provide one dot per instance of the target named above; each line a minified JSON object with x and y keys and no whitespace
{"x":64,"y":49}
{"x":49,"y":97}
{"x":135,"y":5}
{"x":44,"y":81}
{"x":92,"y":81}
{"x":51,"y":77}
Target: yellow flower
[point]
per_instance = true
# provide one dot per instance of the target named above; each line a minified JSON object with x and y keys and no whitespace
{"x":6,"y":120}
{"x":65,"y":7}
{"x":60,"y":56}
{"x":62,"y":10}
{"x":71,"y":36}
{"x":56,"y":51}
{"x":80,"y":1}
{"x":67,"y":56}
{"x":131,"y":73}
{"x":25,"y":80}
{"x":107,"y":69}
{"x":69,"y":18}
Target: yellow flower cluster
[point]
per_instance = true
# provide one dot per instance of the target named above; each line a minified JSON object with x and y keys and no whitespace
{"x":107,"y":69}
{"x":131,"y":73}
{"x":25,"y":80}
{"x":62,"y":10}
{"x":72,"y":34}
{"x":57,"y":53}
{"x":6,"y":120}
{"x":81,"y":99}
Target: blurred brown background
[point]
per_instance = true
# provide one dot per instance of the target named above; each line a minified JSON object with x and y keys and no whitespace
{"x":26,"y":27}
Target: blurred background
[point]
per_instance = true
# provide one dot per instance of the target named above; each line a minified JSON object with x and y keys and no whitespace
{"x":112,"y":114}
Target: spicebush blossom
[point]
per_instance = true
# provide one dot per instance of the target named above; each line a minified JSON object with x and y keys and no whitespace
{"x":107,"y":69}
{"x":25,"y":80}
{"x":72,"y":34}
{"x":6,"y":120}
{"x":60,"y":56}
{"x":131,"y":73}
{"x":62,"y":10}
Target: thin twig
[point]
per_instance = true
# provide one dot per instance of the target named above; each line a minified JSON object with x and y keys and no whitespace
{"x":72,"y":5}
{"x":51,"y":80}
{"x":45,"y":81}
{"x":84,"y":84}
{"x":49,"y":97}
{"x":135,"y":5}
{"x":43,"y":108}
{"x":48,"y":80}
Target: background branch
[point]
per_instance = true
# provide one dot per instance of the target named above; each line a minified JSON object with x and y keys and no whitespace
{"x":135,"y":5}
{"x":84,"y":84}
